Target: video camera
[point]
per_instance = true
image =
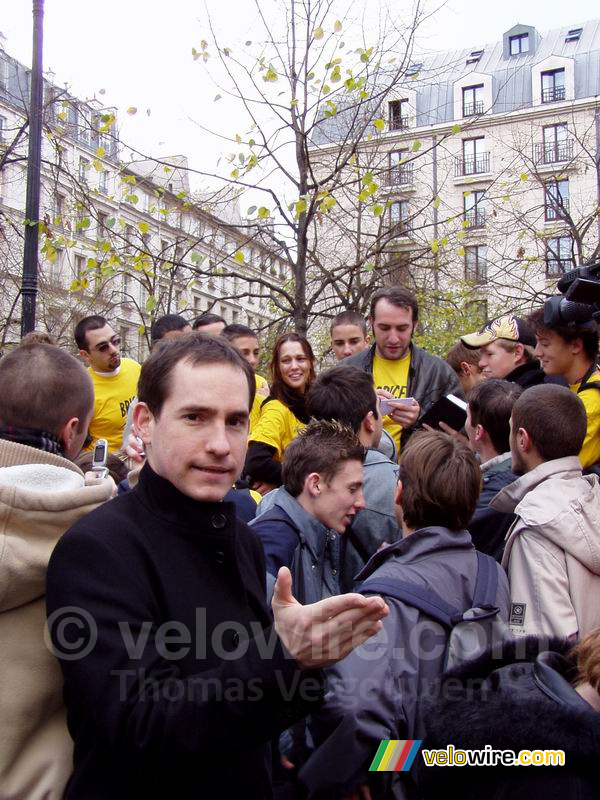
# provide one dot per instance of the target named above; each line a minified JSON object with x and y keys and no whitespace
{"x":580,"y":306}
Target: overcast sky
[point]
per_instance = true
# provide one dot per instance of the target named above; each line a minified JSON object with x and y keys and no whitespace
{"x":139,"y":53}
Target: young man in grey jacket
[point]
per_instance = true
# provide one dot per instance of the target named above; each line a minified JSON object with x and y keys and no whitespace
{"x":373,"y":694}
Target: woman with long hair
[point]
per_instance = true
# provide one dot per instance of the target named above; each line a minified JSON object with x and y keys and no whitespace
{"x":283,"y":412}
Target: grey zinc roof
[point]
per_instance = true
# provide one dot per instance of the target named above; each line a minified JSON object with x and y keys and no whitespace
{"x":511,"y":76}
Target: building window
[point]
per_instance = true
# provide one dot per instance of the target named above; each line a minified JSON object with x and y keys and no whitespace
{"x":397,"y":114}
{"x":557,"y":145}
{"x":474,"y":56}
{"x":553,"y":86}
{"x":574,"y":35}
{"x":3,"y":74}
{"x":2,"y":129}
{"x":399,"y":174}
{"x":474,"y":209}
{"x":59,"y":209}
{"x":519,"y":44}
{"x":84,"y":166}
{"x":102,"y":229}
{"x":197,"y":304}
{"x":79,"y":266}
{"x":559,"y":255}
{"x":56,"y":268}
{"x":475,"y":160}
{"x":103,"y":182}
{"x":472,"y":100}
{"x":235,"y":317}
{"x":475,"y":263}
{"x":399,"y":213}
{"x":129,"y":237}
{"x":556,"y":198}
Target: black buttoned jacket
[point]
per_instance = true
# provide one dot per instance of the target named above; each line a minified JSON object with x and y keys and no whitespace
{"x":174,"y":677}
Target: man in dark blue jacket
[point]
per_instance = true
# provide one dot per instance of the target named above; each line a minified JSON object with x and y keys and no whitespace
{"x":488,"y":430}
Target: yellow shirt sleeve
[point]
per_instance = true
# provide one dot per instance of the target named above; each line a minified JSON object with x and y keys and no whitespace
{"x":262,"y":392}
{"x":276,"y":427}
{"x":112,"y":397}
{"x":590,"y":452}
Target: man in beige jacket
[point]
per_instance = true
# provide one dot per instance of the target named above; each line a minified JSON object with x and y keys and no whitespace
{"x":552,"y":552}
{"x":46,"y":403}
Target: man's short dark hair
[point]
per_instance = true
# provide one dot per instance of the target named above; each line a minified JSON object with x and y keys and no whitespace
{"x":344,"y":394}
{"x":397,"y":296}
{"x":441,"y":481}
{"x":322,"y":447}
{"x":43,"y":387}
{"x":86,"y":324}
{"x":166,"y":324}
{"x":236,"y":331}
{"x":206,"y":319}
{"x":459,"y":353}
{"x":490,"y":404}
{"x":555,"y":419}
{"x":589,"y":338}
{"x":197,"y":349}
{"x":349,"y":318}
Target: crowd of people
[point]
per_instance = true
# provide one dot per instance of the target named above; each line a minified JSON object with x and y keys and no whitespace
{"x":282,"y":572}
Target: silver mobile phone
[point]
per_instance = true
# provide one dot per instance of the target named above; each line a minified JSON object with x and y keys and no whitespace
{"x":100,"y":458}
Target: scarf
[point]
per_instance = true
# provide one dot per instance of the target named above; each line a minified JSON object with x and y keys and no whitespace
{"x":40,"y":440}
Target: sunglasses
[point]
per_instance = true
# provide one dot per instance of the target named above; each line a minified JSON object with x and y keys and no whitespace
{"x":103,"y":346}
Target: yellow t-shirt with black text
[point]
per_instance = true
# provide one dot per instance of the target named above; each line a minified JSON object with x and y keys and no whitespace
{"x":262,"y":392}
{"x":276,"y":427}
{"x":590,"y":452}
{"x":112,"y":396}
{"x":393,"y":377}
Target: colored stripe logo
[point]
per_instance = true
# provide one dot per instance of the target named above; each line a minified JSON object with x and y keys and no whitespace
{"x":395,"y":755}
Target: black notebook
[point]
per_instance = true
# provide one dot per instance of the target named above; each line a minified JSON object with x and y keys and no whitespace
{"x":450,"y":409}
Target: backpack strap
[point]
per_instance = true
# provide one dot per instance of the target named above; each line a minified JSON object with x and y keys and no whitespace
{"x":586,"y":383}
{"x":486,"y":583}
{"x":426,"y":600}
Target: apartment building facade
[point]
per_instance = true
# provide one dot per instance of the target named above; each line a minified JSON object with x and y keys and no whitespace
{"x":487,"y":169}
{"x":129,"y":240}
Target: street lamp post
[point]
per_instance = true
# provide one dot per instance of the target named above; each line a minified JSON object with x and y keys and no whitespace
{"x":32,"y":203}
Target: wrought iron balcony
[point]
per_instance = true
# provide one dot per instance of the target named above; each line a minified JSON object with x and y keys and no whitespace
{"x":554,"y":94}
{"x":472,"y":165}
{"x":475,"y":217}
{"x":553,"y":152}
{"x":557,"y":208}
{"x":400,"y":175}
{"x":472,"y":109}
{"x":398,"y":123}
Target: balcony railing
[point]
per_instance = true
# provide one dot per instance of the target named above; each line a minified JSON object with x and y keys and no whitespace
{"x":554,"y":94}
{"x":472,"y":109}
{"x":557,"y":208}
{"x":553,"y":152}
{"x":397,"y":123}
{"x":401,"y":227}
{"x":400,"y":175}
{"x":476,"y":273}
{"x":475,"y":217}
{"x":558,"y":266}
{"x":472,"y":165}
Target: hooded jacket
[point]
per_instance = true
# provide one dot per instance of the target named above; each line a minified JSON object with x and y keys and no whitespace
{"x":373,"y":693}
{"x":489,"y":527}
{"x":41,"y":496}
{"x":552,"y":552}
{"x":429,"y":378}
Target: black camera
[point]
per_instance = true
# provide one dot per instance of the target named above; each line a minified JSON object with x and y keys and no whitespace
{"x":580,"y":306}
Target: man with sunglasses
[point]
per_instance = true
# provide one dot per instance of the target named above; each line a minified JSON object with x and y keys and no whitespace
{"x":115,"y":379}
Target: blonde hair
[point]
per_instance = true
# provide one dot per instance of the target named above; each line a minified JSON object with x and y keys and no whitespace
{"x":587,"y":654}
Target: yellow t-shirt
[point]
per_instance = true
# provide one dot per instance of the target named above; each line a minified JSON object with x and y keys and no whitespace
{"x":393,"y":377}
{"x":276,"y":427}
{"x":112,"y":396}
{"x":262,"y":392}
{"x":590,"y":452}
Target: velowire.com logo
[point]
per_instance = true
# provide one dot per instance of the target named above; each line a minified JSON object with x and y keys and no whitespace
{"x":395,"y":755}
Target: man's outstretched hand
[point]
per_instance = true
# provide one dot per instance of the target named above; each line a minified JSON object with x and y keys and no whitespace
{"x":322,"y":633}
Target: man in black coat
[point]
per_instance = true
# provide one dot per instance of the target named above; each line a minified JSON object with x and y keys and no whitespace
{"x":175,"y":678}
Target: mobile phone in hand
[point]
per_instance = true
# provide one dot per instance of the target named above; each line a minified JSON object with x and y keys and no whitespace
{"x":100,"y":458}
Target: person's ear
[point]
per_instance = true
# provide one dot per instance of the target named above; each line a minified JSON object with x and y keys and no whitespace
{"x":399,"y":493}
{"x":369,"y":422}
{"x":143,"y":422}
{"x":312,"y":484}
{"x":368,"y":338}
{"x":479,"y":433}
{"x":524,"y":442}
{"x":85,"y":356}
{"x":519,"y":351}
{"x":465,"y":369}
{"x":68,"y":435}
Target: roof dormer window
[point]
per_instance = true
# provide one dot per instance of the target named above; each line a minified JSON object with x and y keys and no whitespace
{"x":519,"y":44}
